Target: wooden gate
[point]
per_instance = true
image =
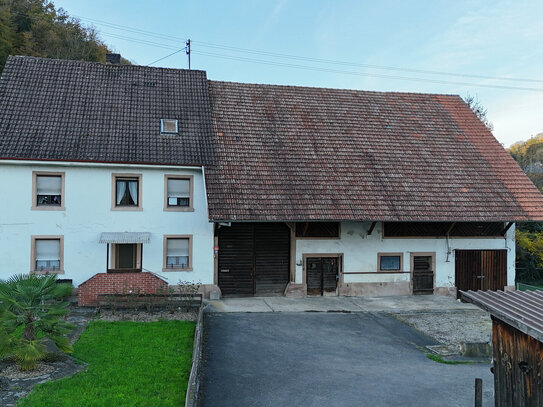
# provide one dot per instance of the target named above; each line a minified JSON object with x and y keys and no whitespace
{"x":321,"y":275}
{"x":423,"y":275}
{"x":480,"y":269}
{"x":254,"y":258}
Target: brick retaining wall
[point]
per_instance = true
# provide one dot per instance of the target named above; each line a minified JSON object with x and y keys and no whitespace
{"x":111,"y":283}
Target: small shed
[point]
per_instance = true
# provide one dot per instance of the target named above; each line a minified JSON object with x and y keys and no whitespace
{"x":517,"y":338}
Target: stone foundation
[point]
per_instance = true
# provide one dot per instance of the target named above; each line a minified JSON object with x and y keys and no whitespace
{"x":294,"y":290}
{"x":375,"y":289}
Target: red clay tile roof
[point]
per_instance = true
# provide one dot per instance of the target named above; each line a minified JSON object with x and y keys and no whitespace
{"x":85,"y":111}
{"x":295,"y":153}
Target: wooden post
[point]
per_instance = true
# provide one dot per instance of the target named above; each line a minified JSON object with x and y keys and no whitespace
{"x":478,"y":392}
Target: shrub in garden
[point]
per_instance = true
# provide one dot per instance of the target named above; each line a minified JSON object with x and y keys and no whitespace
{"x":31,"y":311}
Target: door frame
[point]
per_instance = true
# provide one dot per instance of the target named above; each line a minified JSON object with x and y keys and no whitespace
{"x":412,"y":267}
{"x":339,"y":256}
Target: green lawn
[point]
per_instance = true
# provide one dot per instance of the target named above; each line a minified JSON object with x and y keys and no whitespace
{"x":130,"y":364}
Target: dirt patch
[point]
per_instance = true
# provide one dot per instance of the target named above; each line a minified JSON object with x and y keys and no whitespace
{"x":14,"y":372}
{"x":15,"y":384}
{"x":451,"y":328}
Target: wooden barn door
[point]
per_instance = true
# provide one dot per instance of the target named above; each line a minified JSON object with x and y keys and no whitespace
{"x":322,"y":275}
{"x":423,"y":274}
{"x":254,"y":258}
{"x":480,"y":269}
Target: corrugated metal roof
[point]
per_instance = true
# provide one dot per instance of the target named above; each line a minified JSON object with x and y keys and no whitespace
{"x":522,"y":310}
{"x":125,"y":237}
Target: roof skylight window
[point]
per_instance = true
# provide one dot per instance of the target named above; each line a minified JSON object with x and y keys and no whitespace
{"x":168,"y":126}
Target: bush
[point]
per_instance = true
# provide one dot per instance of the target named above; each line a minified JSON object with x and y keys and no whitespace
{"x":31,"y":311}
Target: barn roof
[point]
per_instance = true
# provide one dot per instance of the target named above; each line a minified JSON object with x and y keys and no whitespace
{"x":83,"y":111}
{"x":296,"y":153}
{"x":522,"y":310}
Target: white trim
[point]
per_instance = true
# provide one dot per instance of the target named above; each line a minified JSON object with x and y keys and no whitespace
{"x":96,"y":164}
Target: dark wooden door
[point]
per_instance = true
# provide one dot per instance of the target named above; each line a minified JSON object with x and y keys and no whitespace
{"x":423,"y":275}
{"x":480,"y":269}
{"x":322,"y":275}
{"x":254,"y":258}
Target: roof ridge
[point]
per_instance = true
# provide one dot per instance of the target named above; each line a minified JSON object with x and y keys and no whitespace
{"x":349,"y":90}
{"x":82,"y":62}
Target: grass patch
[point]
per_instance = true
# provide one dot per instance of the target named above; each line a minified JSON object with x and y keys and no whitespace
{"x":130,"y":364}
{"x":439,"y":359}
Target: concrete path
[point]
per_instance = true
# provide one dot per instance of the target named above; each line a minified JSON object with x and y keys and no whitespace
{"x":409,"y":303}
{"x":327,"y":359}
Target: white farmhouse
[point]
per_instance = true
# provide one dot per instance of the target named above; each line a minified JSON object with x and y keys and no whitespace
{"x":103,"y":173}
{"x":122,"y":177}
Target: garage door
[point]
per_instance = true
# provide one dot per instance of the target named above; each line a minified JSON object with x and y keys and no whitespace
{"x":254,"y":258}
{"x":480,"y":269}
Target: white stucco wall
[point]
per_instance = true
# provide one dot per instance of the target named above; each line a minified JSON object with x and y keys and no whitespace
{"x":360,"y":253}
{"x":88,"y":213}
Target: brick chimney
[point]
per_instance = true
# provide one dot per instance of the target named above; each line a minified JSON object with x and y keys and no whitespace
{"x":114,"y":59}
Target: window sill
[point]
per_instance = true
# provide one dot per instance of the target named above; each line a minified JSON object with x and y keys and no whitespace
{"x":178,"y":209}
{"x":166,"y":270}
{"x":127,"y":208}
{"x":39,"y":272}
{"x":47,"y":208}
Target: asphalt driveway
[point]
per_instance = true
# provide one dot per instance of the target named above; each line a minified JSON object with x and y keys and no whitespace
{"x":328,"y":359}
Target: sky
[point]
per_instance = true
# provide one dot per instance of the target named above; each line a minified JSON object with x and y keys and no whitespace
{"x":453,"y":47}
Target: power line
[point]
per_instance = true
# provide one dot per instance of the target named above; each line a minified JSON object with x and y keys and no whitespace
{"x":310,"y":59}
{"x":375,"y":75}
{"x":169,"y":55}
{"x":335,"y":62}
{"x":139,"y":41}
{"x":131,"y":29}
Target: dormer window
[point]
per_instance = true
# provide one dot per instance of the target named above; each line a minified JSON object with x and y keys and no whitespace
{"x":168,"y":126}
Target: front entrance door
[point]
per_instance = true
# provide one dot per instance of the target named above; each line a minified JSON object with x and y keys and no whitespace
{"x":423,"y":275}
{"x":480,"y":269}
{"x":322,"y":275}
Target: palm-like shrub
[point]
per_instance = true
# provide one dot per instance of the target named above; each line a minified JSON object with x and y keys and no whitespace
{"x":32,"y":311}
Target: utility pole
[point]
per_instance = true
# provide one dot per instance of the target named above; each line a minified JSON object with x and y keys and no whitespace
{"x":188,"y":50}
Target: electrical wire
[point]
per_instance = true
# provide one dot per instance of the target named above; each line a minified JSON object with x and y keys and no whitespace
{"x":138,"y":41}
{"x":375,"y":75}
{"x":335,"y":62}
{"x":167,"y":56}
{"x":304,"y":58}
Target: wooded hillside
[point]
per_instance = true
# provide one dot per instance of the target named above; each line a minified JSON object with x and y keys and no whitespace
{"x":37,"y":28}
{"x":529,"y":155}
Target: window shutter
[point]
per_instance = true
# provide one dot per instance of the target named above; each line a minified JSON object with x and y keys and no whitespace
{"x":178,"y":188}
{"x":48,"y":249}
{"x":47,"y":185}
{"x":177,"y":247}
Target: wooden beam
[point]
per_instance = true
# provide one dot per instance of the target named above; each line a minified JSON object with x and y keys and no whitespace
{"x":507,"y":227}
{"x":370,"y":230}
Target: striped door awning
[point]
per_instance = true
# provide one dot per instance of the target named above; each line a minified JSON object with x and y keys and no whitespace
{"x":125,"y":237}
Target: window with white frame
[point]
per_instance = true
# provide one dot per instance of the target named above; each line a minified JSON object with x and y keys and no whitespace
{"x":47,"y":254}
{"x":126,"y":191}
{"x":178,"y":253}
{"x":178,"y":192}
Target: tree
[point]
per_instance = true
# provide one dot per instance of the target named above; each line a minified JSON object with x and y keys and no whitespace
{"x":480,"y":111}
{"x":37,"y":28}
{"x":31,"y":311}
